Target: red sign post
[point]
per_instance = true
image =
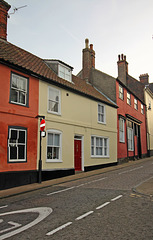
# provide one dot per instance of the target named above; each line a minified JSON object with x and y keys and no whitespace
{"x":42,"y":125}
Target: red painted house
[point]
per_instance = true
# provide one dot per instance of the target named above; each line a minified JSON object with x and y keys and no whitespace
{"x":128,"y":94}
{"x":18,"y":110}
{"x":132,"y":131}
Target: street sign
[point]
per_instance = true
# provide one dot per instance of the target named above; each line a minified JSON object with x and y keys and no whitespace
{"x":42,"y":125}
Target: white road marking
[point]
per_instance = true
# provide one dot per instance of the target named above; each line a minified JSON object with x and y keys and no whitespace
{"x":14,"y":225}
{"x":103,"y":205}
{"x":130,"y":170}
{"x":1,"y":220}
{"x":116,"y":198}
{"x":3,"y":206}
{"x":63,"y":190}
{"x":84,"y":215}
{"x":66,"y":189}
{"x":59,"y":228}
{"x":43,"y":213}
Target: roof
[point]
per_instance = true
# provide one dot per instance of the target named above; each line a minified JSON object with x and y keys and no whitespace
{"x":136,"y":87}
{"x":151,"y":87}
{"x":25,"y":61}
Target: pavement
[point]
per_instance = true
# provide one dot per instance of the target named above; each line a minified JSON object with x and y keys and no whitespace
{"x":145,"y":188}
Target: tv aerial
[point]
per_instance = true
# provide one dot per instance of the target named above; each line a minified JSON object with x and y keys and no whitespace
{"x":15,"y":10}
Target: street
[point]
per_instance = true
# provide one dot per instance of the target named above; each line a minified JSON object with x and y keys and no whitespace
{"x":102,"y":207}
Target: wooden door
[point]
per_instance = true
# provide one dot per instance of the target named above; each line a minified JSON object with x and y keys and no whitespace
{"x":77,"y":155}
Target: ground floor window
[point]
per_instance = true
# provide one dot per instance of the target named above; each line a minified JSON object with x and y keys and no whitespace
{"x":54,"y":147}
{"x":17,"y":143}
{"x":130,"y":139}
{"x":121,"y":130}
{"x":99,"y":146}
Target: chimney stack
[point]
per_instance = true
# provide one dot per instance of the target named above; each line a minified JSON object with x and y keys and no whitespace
{"x":88,"y":60}
{"x":144,"y":78}
{"x":122,"y":68}
{"x":4,"y":8}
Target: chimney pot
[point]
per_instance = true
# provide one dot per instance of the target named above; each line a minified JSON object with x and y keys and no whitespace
{"x":87,"y":43}
{"x":4,"y":8}
{"x":144,"y":78}
{"x":91,"y":46}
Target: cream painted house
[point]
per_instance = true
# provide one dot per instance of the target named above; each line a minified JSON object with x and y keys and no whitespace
{"x":81,"y":126}
{"x":149,"y":106}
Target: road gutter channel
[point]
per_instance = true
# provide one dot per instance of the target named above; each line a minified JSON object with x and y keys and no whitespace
{"x":82,"y":216}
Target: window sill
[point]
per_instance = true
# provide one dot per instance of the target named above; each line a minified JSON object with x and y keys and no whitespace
{"x":100,"y":157}
{"x":55,"y":113}
{"x":53,"y":161}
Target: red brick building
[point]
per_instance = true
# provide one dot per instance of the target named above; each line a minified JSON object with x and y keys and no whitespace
{"x":128,"y":94}
{"x":18,"y":110}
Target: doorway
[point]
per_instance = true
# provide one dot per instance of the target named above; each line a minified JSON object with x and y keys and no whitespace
{"x":78,"y":153}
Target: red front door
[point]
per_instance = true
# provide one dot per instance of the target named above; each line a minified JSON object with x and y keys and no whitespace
{"x":77,"y":155}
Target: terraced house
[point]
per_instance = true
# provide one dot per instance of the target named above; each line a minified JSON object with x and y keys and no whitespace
{"x":128,"y":93}
{"x":81,"y":122}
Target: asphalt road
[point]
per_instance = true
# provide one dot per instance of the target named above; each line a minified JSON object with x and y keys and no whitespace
{"x":101,"y":207}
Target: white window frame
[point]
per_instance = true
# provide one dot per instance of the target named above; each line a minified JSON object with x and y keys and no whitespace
{"x":19,"y":91}
{"x":121,"y":130}
{"x":142,"y":108}
{"x":64,"y":72}
{"x":128,"y":98}
{"x":135,"y":103}
{"x":59,"y":133}
{"x":121,"y":92}
{"x":101,"y":115}
{"x":54,"y":101}
{"x":97,"y":145}
{"x":130,"y":136}
{"x":15,"y":143}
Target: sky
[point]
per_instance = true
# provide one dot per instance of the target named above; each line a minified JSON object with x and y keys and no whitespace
{"x":57,"y":29}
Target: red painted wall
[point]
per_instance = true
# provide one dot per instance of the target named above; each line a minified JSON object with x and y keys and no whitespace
{"x":16,"y":115}
{"x":124,"y":109}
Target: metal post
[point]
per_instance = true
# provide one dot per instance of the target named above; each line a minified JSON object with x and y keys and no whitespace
{"x":40,"y":163}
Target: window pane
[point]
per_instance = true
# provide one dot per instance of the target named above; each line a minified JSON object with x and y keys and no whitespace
{"x":14,"y":81}
{"x":21,"y":137}
{"x":56,"y":139}
{"x":92,"y":141}
{"x":50,"y":139}
{"x":21,"y":152}
{"x":13,"y":152}
{"x":14,"y":95}
{"x":49,"y":153}
{"x":105,"y":142}
{"x":22,"y":98}
{"x":56,"y":153}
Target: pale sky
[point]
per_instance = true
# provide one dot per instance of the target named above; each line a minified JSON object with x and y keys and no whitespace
{"x":56,"y":29}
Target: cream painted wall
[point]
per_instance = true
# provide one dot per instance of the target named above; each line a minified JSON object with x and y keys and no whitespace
{"x":79,"y":116}
{"x":149,"y":98}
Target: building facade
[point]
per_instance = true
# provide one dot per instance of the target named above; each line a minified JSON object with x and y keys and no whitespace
{"x":128,"y":94}
{"x":81,"y":129}
{"x":81,"y":125}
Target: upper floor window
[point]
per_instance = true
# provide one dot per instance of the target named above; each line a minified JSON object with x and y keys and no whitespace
{"x":121,"y":130}
{"x":17,"y":141}
{"x":136,"y":104}
{"x":149,"y":104}
{"x":19,"y":90}
{"x":142,"y":108}
{"x":121,"y":92}
{"x":101,"y":113}
{"x":65,"y":72}
{"x":99,"y":146}
{"x":128,"y":98}
{"x":54,"y":102}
